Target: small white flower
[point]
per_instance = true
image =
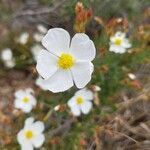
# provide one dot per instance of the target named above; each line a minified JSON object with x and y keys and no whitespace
{"x":119,"y":43}
{"x":131,"y":76}
{"x":31,"y":135}
{"x":23,"y":39}
{"x":96,"y":88}
{"x":38,"y":37}
{"x":56,"y":108}
{"x":41,"y":29}
{"x":10,"y":63}
{"x":7,"y":57}
{"x":65,"y":62}
{"x":35,"y":50}
{"x":40,"y":82}
{"x":81,"y":102}
{"x":6,"y":54}
{"x":25,"y":100}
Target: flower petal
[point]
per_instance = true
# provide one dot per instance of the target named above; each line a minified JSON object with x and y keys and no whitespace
{"x":38,"y":126}
{"x":126,"y":43}
{"x":72,"y":101}
{"x":60,"y":81}
{"x":19,"y":94}
{"x":32,"y":100}
{"x":82,"y":47}
{"x":38,"y":140}
{"x":20,"y":137}
{"x":57,"y":40}
{"x":117,"y":49}
{"x":86,"y":94}
{"x":76,"y":110}
{"x":46,"y":64}
{"x":29,"y":121}
{"x":81,"y":73}
{"x":86,"y":107}
{"x":39,"y":82}
{"x":27,"y":108}
{"x":27,"y":146}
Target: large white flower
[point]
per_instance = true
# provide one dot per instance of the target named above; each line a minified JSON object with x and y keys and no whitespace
{"x":7,"y":57}
{"x":31,"y":135}
{"x":119,"y":43}
{"x":81,"y":102}
{"x":24,"y":100}
{"x":65,"y":62}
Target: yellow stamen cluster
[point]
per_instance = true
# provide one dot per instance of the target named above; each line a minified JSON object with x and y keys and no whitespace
{"x":28,"y":134}
{"x":65,"y":61}
{"x":79,"y":100}
{"x":25,"y":99}
{"x":118,"y":41}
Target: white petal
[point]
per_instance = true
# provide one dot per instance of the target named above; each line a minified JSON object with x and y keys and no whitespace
{"x":39,"y":82}
{"x":81,"y":73}
{"x":27,"y":146}
{"x":60,"y":81}
{"x":38,"y":140}
{"x":20,"y":137}
{"x":82,"y":47}
{"x":29,"y":91}
{"x":126,"y":43}
{"x":72,"y":101}
{"x":19,"y":94}
{"x":18,"y":103}
{"x":76,"y":110}
{"x":86,"y":94}
{"x":10,"y":64}
{"x":57,"y":40}
{"x":86,"y":107}
{"x":27,"y":108}
{"x":32,"y":100}
{"x":117,"y":49}
{"x":46,"y":64}
{"x":6,"y":54}
{"x":38,"y":126}
{"x":28,"y":122}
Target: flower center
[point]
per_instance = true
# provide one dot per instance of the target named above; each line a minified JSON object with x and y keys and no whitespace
{"x":65,"y":61}
{"x":118,"y":41}
{"x":29,"y":134}
{"x":25,"y":99}
{"x":79,"y":100}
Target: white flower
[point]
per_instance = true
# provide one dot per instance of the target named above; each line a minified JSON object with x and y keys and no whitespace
{"x":65,"y":62}
{"x":81,"y":102}
{"x":41,"y":29}
{"x":23,"y":39}
{"x":35,"y":50}
{"x":38,"y":37}
{"x":96,"y":88}
{"x":24,"y":100}
{"x":131,"y":76}
{"x":56,"y":108}
{"x":119,"y":43}
{"x":40,"y":82}
{"x":7,"y":57}
{"x":31,"y":135}
{"x":10,"y":64}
